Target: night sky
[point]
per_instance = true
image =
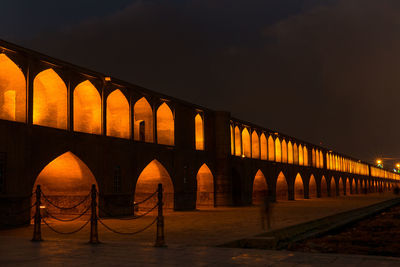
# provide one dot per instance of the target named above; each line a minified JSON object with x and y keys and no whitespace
{"x":324,"y":71}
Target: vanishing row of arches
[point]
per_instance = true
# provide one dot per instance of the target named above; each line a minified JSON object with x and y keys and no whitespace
{"x":67,"y":180}
{"x":50,"y":108}
{"x":273,"y":148}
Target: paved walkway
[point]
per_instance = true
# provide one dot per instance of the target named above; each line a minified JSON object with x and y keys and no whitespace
{"x":191,"y":237}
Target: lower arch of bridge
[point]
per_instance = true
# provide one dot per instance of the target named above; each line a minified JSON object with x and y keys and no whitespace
{"x":324,"y":187}
{"x":205,"y":188}
{"x":353,"y":186}
{"x":333,"y":187}
{"x":341,"y":186}
{"x":66,"y":181}
{"x":281,"y":187}
{"x":298,"y":187}
{"x":347,"y":186}
{"x":260,"y":188}
{"x":312,"y":187}
{"x":152,"y":175}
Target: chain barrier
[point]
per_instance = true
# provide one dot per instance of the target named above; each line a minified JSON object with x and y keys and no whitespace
{"x":135,"y":203}
{"x":66,"y":233}
{"x":131,"y":218}
{"x":65,"y":208}
{"x":68,"y":220}
{"x":124,"y":233}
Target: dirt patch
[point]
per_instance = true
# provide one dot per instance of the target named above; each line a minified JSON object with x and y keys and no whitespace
{"x":378,"y":235}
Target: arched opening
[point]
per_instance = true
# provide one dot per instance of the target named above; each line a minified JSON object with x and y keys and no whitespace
{"x":143,"y":121}
{"x":205,"y":188}
{"x":165,"y":126}
{"x":278,"y":150}
{"x":87,"y":108}
{"x":12,"y":91}
{"x":301,"y":155}
{"x":281,"y":187}
{"x":316,"y":159}
{"x":313,"y":160}
{"x":305,"y":151}
{"x":246,"y":143}
{"x":117,"y":115}
{"x":264,"y":147}
{"x":348,"y":186}
{"x":324,"y":187}
{"x":312,"y":187}
{"x":284,"y":151}
{"x":298,"y":187}
{"x":321,"y":160}
{"x":255,"y":149}
{"x":353,"y":187}
{"x":341,"y":186}
{"x":295,"y":154}
{"x":271,"y":149}
{"x":66,"y":181}
{"x":232,"y":141}
{"x":290,"y":153}
{"x":238,"y":142}
{"x":152,"y":175}
{"x":49,"y":100}
{"x":199,"y":132}
{"x":333,"y":187}
{"x":260,"y":188}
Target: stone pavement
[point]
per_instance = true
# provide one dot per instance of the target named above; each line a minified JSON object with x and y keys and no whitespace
{"x":191,"y":237}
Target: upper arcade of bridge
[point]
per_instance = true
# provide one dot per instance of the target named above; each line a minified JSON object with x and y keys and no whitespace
{"x":38,"y":90}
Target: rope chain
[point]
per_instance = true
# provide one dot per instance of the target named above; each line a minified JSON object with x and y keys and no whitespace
{"x":131,"y":233}
{"x":132,"y":218}
{"x":65,"y":208}
{"x":65,"y":233}
{"x":68,"y":220}
{"x":134,"y":204}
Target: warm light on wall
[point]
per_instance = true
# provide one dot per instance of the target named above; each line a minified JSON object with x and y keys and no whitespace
{"x":143,"y":117}
{"x":255,"y":145}
{"x":246,"y":143}
{"x":278,"y":150}
{"x":232,"y":140}
{"x":238,"y":143}
{"x":12,"y":91}
{"x":165,"y":126}
{"x":271,"y":148}
{"x":205,"y":187}
{"x":290,"y":153}
{"x":199,"y":132}
{"x":263,"y":147}
{"x":260,"y":188}
{"x":87,"y":108}
{"x":284,"y":152}
{"x":117,"y":115}
{"x":49,"y":100}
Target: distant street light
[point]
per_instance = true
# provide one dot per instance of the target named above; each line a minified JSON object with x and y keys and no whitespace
{"x":379,"y":163}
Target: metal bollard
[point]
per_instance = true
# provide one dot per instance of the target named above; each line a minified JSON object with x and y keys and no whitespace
{"x":94,"y":236}
{"x":160,"y":241}
{"x":37,"y":232}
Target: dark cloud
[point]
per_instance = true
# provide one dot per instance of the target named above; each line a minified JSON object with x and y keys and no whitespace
{"x":323,"y":71}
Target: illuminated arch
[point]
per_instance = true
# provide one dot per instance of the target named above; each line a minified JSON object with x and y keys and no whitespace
{"x":66,"y":181}
{"x":87,"y":108}
{"x":246,"y":143}
{"x":284,"y":152}
{"x":305,"y":151}
{"x":298,"y":187}
{"x":264,"y":147}
{"x":152,"y":175}
{"x":12,"y":91}
{"x":232,"y":141}
{"x":117,"y":115}
{"x":313,"y":158}
{"x":290,"y":153}
{"x":324,"y":187}
{"x":353,"y":186}
{"x":205,"y":187}
{"x":260,"y":188}
{"x":312,"y":187}
{"x":348,"y":186}
{"x":316,"y":158}
{"x":333,"y":187}
{"x":255,"y":142}
{"x":341,"y":186}
{"x":281,"y":187}
{"x":271,"y":148}
{"x":199,"y":132}
{"x":301,"y":155}
{"x":165,"y":126}
{"x":278,"y":150}
{"x":295,"y":154}
{"x":321,"y":159}
{"x":238,"y":142}
{"x":143,"y":121}
{"x":49,"y":100}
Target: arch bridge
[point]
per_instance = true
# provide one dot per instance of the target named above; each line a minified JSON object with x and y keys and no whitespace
{"x":65,"y":127}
